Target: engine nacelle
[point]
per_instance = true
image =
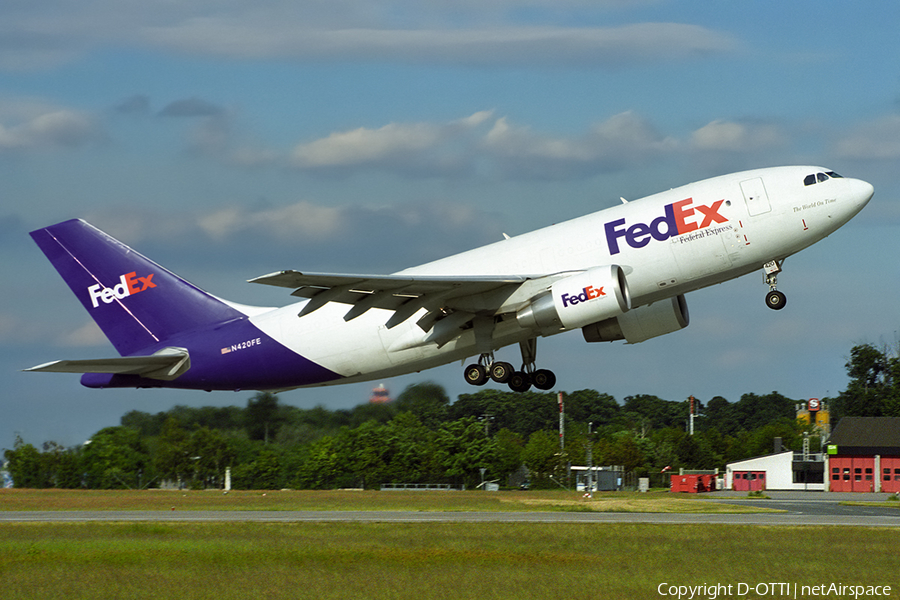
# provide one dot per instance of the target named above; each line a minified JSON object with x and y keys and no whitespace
{"x":642,"y":323}
{"x":590,"y":296}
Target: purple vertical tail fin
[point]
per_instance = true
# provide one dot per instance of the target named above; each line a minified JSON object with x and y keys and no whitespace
{"x":136,"y":302}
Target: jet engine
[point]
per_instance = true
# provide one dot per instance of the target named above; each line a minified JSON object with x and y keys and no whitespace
{"x":597,"y":294}
{"x":641,"y":323}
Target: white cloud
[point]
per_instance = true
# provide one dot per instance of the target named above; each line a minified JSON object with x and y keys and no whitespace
{"x":301,"y":220}
{"x":304,"y":235}
{"x":89,"y":334}
{"x":366,"y":146}
{"x":40,"y":35}
{"x":498,"y":148}
{"x":878,"y":140}
{"x":621,"y":141}
{"x":506,"y":44}
{"x":413,"y":148}
{"x":59,"y":128}
{"x":730,"y":136}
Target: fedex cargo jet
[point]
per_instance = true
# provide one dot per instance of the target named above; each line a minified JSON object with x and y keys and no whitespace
{"x":617,"y":274}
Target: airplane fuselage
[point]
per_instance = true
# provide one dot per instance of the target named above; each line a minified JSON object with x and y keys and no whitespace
{"x":732,"y":234}
{"x":664,"y":245}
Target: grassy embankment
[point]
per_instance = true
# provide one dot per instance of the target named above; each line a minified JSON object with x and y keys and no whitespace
{"x":656,"y":501}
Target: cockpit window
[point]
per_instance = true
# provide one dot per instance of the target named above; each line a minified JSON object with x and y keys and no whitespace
{"x":818,"y":177}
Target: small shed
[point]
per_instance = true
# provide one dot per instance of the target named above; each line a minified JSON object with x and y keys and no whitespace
{"x":772,"y":472}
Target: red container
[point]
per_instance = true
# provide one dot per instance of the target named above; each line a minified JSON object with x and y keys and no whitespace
{"x":693,"y":484}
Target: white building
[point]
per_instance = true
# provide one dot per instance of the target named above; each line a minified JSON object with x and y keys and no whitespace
{"x":781,"y":471}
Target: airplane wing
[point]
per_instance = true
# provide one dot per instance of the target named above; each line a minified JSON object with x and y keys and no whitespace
{"x":167,"y":364}
{"x":407,"y":294}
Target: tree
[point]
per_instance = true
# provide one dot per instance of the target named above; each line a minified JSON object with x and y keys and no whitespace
{"x":427,"y":401}
{"x":116,"y":458}
{"x":753,"y":411}
{"x":542,"y":458}
{"x":694,"y":452}
{"x":874,"y":387}
{"x":650,"y":412}
{"x":520,"y":413}
{"x":322,"y":466}
{"x":586,"y":406}
{"x":262,"y":416}
{"x":25,"y":465}
{"x":719,"y":415}
{"x":172,"y":458}
{"x":210,"y":453}
{"x":62,"y":466}
{"x":507,"y":457}
{"x":623,"y":449}
{"x":263,"y":473}
{"x":462,"y":449}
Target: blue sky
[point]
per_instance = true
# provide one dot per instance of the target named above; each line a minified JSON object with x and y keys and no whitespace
{"x":230,"y":139}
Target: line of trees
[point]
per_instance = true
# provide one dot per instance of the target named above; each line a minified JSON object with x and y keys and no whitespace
{"x":423,"y":437}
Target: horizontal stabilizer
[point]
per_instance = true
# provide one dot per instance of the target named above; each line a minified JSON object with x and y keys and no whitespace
{"x":167,"y":364}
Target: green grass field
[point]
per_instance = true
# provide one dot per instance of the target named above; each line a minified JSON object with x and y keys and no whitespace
{"x":411,"y":560}
{"x":423,"y":561}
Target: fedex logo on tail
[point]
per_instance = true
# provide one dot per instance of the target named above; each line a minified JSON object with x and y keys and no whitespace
{"x":680,"y":217}
{"x":129,"y":284}
{"x":588,"y":293}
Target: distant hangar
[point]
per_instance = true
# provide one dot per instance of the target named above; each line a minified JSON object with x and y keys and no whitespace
{"x":862,"y":455}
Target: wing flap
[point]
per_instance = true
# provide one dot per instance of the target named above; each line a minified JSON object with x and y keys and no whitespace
{"x":166,"y":364}
{"x":403,"y":294}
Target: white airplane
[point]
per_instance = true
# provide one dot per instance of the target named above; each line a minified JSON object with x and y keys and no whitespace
{"x":620,"y":273}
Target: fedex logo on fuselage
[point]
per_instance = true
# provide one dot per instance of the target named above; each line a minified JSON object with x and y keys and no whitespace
{"x":129,"y":284}
{"x":680,"y":217}
{"x":588,"y":293}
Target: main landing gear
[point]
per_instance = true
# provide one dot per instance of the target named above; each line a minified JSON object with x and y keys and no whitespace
{"x":503,"y":372}
{"x":774,"y":299}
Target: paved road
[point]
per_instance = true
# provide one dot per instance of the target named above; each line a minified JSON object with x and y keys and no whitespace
{"x":815,"y":506}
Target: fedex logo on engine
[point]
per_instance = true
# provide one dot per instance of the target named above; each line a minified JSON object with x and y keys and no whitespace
{"x":129,"y":284}
{"x":588,"y":293}
{"x":680,"y":217}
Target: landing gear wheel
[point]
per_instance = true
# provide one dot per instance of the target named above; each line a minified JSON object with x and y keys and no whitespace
{"x":475,"y":374}
{"x":776,"y":300}
{"x":544,"y":379}
{"x":519,"y":381}
{"x":501,"y":372}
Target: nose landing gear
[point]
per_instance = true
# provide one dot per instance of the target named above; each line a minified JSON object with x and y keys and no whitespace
{"x":774,"y":299}
{"x":502,"y":372}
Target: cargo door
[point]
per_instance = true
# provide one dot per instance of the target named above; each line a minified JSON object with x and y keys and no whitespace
{"x":755,"y":196}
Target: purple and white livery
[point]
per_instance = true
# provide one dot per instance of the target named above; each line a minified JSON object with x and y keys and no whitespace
{"x":617,"y":274}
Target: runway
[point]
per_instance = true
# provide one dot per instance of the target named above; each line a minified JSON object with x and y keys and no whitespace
{"x":767,"y":519}
{"x":796,"y":509}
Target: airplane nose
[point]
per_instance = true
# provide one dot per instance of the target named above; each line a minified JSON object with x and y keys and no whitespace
{"x":858,"y":194}
{"x":862,"y":192}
